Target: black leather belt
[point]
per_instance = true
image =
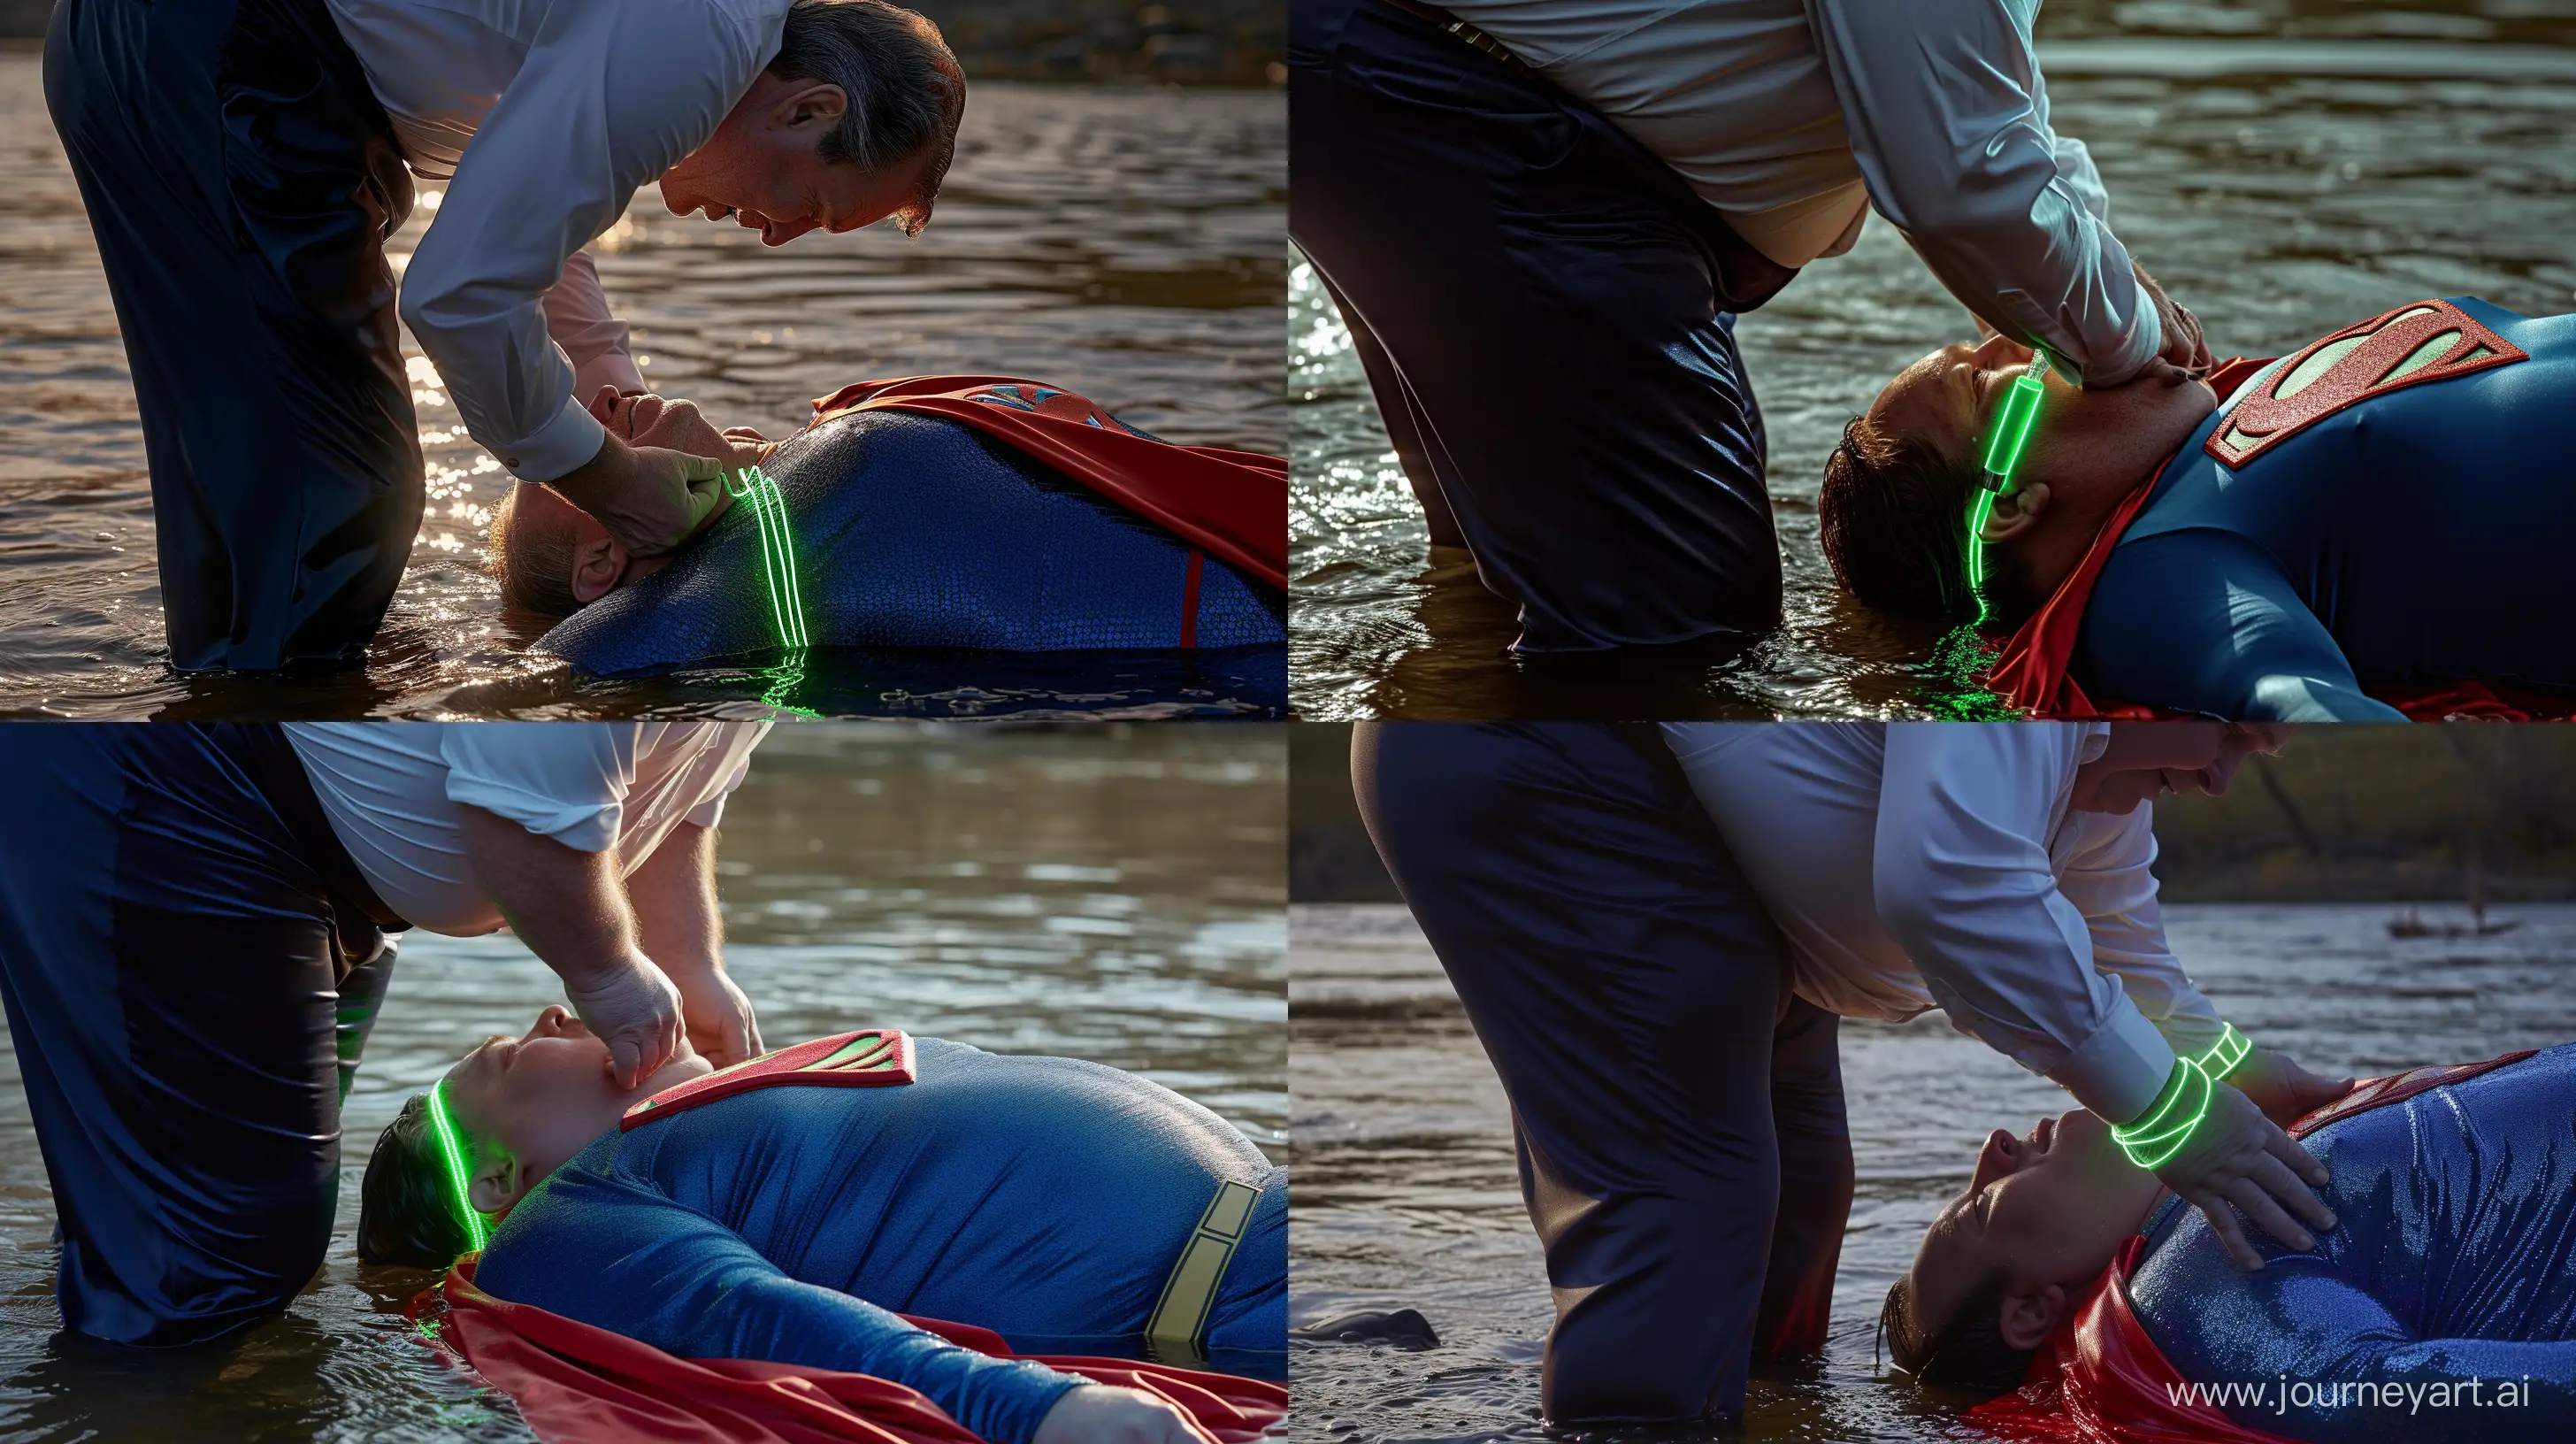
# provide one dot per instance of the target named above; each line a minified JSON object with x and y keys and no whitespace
{"x":1450,"y":24}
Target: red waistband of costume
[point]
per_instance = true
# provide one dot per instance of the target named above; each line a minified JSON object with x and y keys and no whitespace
{"x":1234,"y":504}
{"x":2102,"y":1380}
{"x":576,"y":1384}
{"x":868,"y":1058}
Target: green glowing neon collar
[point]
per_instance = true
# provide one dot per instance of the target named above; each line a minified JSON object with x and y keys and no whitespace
{"x":451,"y":1154}
{"x":2152,"y":1141}
{"x":754,"y":489}
{"x":2005,"y":441}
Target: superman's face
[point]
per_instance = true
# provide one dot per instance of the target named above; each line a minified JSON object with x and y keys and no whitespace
{"x":1948,"y":397}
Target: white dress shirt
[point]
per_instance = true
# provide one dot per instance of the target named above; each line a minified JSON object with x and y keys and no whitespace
{"x":544,"y":116}
{"x":391,"y":790}
{"x":1794,"y":117}
{"x":1921,"y":865}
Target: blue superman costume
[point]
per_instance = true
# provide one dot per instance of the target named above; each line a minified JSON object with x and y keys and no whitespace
{"x":2372,"y":527}
{"x":788,"y":1222}
{"x":984,"y":512}
{"x":2454,"y":1259}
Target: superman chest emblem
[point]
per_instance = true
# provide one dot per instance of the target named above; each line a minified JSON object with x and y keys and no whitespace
{"x":2427,"y":341}
{"x":869,"y":1058}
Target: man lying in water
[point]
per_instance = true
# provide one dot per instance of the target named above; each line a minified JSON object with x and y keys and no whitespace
{"x":2449,"y":1261}
{"x":789,"y":1221}
{"x":2387,"y":508}
{"x":911,"y":530}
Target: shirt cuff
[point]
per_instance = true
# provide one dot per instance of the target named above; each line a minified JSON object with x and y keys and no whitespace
{"x":2119,"y":1071}
{"x":560,"y":446}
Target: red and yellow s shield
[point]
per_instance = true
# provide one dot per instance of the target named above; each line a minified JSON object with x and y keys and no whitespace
{"x":2427,"y":341}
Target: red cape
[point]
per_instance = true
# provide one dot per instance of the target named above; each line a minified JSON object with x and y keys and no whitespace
{"x":1233,"y":504}
{"x":2102,"y":1380}
{"x":580,"y":1385}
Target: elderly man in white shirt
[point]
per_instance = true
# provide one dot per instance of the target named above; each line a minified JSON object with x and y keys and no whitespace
{"x":1538,"y":218}
{"x":243,"y":162}
{"x":2001,"y":875}
{"x":193,"y":943}
{"x":1658,"y":983}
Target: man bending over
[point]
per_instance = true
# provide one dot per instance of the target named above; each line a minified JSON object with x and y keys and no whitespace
{"x":786,"y":1209}
{"x":2384,"y":510}
{"x":909,"y":530}
{"x":2454,"y":1208}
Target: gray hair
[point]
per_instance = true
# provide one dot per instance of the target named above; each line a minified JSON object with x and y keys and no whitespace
{"x":906,"y":91}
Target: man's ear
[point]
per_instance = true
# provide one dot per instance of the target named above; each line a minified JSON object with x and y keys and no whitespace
{"x":2029,"y":1319}
{"x":497,"y":1182}
{"x":818,"y":106}
{"x":597,"y":565}
{"x":2016,"y":512}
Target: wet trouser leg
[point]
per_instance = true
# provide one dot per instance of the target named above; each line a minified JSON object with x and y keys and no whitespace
{"x":240,"y":179}
{"x":1632,"y":996}
{"x":1556,"y":306}
{"x":175,"y":922}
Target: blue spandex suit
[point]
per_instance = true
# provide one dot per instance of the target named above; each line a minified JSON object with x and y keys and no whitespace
{"x":2416,"y":536}
{"x":1044,"y":1198}
{"x":2455,"y":1258}
{"x":916,"y":531}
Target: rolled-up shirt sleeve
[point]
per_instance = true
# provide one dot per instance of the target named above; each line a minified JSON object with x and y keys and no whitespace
{"x":593,"y":339}
{"x":1965,"y":884}
{"x":1948,"y":120}
{"x":609,"y":97}
{"x":564,"y":780}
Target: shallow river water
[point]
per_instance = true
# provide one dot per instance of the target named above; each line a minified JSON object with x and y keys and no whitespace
{"x":2284,"y":168}
{"x":1122,"y":241}
{"x":1111,"y":893}
{"x":1406,"y":1194}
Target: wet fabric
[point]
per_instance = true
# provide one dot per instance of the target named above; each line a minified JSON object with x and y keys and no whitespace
{"x":2363,"y":566}
{"x":190,"y":965}
{"x":1678,"y":1115}
{"x":2452,"y":1190}
{"x":918,"y":531}
{"x":1043,"y":1198}
{"x":1232,"y":503}
{"x":576,"y":1384}
{"x":1545,"y":313}
{"x":240,"y":180}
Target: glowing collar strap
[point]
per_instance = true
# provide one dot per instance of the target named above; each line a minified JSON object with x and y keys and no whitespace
{"x":2013,"y":421}
{"x":451,"y":1154}
{"x":2152,"y":1141}
{"x":2004,"y":443}
{"x":754,"y":489}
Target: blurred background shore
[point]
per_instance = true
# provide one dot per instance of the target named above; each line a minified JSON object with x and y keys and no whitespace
{"x":2461,"y":813}
{"x":1184,"y":42}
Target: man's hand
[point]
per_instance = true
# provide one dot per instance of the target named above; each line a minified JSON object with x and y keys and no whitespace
{"x":636,"y":1012}
{"x":569,"y":908}
{"x":2240,"y":1157}
{"x":2184,"y":348}
{"x":650,"y":498}
{"x":2285,"y":1091}
{"x":719,"y":1017}
{"x":1098,"y":1414}
{"x":674,"y":897}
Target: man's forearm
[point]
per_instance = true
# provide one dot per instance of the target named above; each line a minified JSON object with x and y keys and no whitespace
{"x":564,"y":903}
{"x":673,"y":897}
